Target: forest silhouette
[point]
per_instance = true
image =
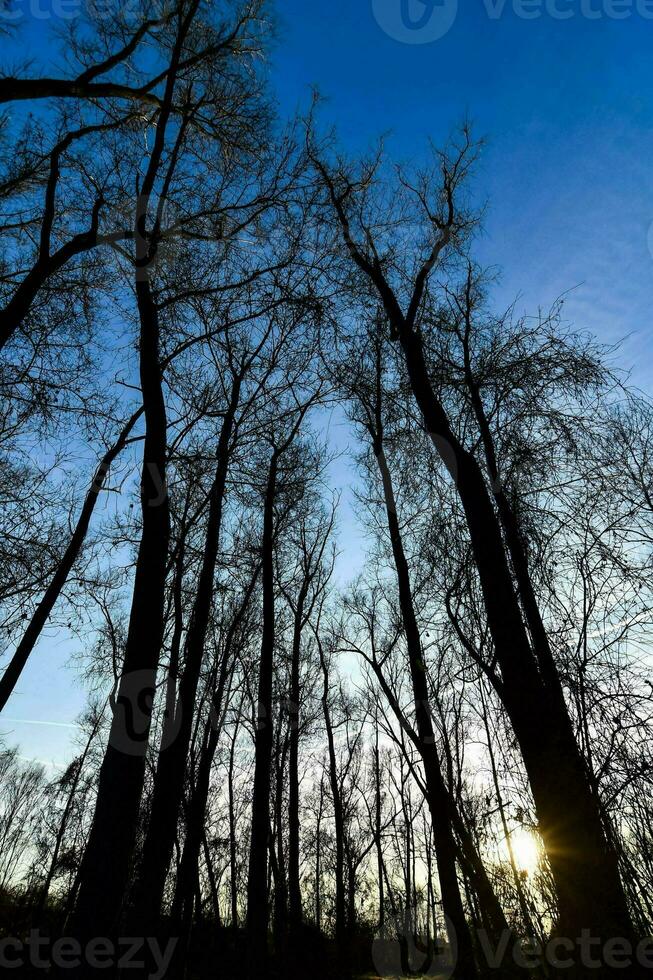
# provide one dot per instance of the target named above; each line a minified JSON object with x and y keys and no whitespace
{"x":439,"y":768}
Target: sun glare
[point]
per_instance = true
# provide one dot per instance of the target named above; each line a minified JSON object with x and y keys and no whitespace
{"x":525,"y":850}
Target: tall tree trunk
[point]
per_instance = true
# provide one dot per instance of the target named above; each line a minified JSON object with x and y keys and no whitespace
{"x":280,"y":885}
{"x":378,"y":829}
{"x":106,"y":863}
{"x":183,"y":903}
{"x":438,"y":796}
{"x":470,"y":859}
{"x":213,"y":884}
{"x":257,"y":887}
{"x":171,"y":769}
{"x":294,"y":885}
{"x":280,"y":905}
{"x":583,"y":864}
{"x":182,"y":912}
{"x":44,"y":609}
{"x":521,"y":897}
{"x":105,"y":867}
{"x":233,"y":862}
{"x":188,"y":873}
{"x":351,"y":895}
{"x":339,"y":824}
{"x":408,"y":878}
{"x":318,"y":860}
{"x":430,"y":891}
{"x":311,"y":559}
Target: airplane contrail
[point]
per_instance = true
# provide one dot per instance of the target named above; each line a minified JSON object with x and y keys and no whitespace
{"x":51,"y":724}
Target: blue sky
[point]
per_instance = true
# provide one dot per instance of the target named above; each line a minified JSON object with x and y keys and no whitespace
{"x":567,"y":109}
{"x":566,"y":106}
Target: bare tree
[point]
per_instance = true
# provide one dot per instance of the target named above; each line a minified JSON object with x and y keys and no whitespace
{"x":589,"y":888}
